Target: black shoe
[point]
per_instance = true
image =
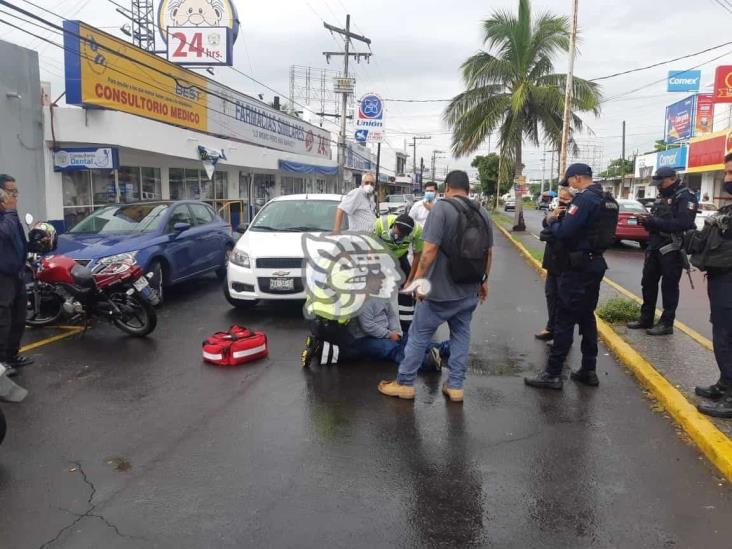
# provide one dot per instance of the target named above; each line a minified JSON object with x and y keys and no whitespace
{"x":660,"y":330}
{"x":19,"y":361}
{"x":586,"y":377}
{"x":311,"y":351}
{"x":639,"y":325}
{"x":544,"y":381}
{"x":722,"y":409}
{"x":712,"y":392}
{"x":544,"y":335}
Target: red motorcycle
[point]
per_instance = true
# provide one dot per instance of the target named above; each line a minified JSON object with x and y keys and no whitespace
{"x":59,"y":289}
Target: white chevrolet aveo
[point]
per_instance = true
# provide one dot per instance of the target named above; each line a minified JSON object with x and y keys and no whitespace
{"x":267,"y":261}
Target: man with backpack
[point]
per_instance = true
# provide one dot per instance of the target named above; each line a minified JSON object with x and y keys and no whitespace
{"x":450,"y":281}
{"x":713,"y":254}
{"x":586,"y":231}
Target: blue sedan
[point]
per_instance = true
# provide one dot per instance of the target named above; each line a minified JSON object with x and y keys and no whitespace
{"x":173,"y":240}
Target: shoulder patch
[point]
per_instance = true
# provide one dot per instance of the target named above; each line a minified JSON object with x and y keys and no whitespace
{"x":573,"y":209}
{"x":691,"y":205}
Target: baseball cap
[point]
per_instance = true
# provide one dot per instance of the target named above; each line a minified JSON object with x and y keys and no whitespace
{"x":662,"y":173}
{"x":405,"y":223}
{"x":575,"y":170}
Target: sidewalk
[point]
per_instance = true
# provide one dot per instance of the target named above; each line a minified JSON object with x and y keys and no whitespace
{"x":682,"y":360}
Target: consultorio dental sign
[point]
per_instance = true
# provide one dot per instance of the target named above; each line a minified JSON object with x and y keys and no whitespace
{"x":103,"y":71}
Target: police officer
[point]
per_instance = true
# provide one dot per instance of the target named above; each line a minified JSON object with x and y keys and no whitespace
{"x":719,"y":288}
{"x":672,"y":215}
{"x":586,"y":231}
{"x":13,"y":250}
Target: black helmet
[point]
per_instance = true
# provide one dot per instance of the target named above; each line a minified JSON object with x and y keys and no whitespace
{"x":42,"y":238}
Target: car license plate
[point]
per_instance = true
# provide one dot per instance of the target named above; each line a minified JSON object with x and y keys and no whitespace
{"x":282,"y":284}
{"x":632,"y":221}
{"x":140,"y":284}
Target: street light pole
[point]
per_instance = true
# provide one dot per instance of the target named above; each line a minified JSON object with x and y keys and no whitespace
{"x":568,"y":90}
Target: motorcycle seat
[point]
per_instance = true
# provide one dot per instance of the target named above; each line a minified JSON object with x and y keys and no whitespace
{"x":82,"y":276}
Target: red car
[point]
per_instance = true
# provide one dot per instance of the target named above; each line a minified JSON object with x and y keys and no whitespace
{"x":628,"y":226}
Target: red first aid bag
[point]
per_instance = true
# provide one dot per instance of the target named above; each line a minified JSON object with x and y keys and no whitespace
{"x":236,"y":346}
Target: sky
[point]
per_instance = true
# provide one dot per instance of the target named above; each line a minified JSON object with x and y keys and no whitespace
{"x":418,"y":47}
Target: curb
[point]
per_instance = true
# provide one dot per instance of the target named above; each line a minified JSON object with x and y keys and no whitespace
{"x":711,"y":441}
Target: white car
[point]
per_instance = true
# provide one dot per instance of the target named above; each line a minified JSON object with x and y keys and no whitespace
{"x":706,"y":209}
{"x":267,"y":261}
{"x":509,"y":204}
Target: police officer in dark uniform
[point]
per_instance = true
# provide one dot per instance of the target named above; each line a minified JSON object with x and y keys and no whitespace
{"x":586,"y":231}
{"x":719,"y":288}
{"x":671,"y":216}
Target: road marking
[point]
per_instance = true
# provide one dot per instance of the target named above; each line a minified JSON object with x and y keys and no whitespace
{"x":69,"y":331}
{"x":713,"y":443}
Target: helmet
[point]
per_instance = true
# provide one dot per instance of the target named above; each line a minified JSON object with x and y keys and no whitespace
{"x":42,"y":238}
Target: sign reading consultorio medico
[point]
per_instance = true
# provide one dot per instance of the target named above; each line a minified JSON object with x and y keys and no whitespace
{"x":105,"y":72}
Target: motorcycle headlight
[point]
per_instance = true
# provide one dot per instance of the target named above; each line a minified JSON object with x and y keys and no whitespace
{"x":241,"y":259}
{"x":128,"y":257}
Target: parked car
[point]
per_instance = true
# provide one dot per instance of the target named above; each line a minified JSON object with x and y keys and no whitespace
{"x":174,"y":241}
{"x":628,"y":226}
{"x":509,"y":205}
{"x":706,"y":209}
{"x":543,"y":202}
{"x":267,"y":261}
{"x":396,"y":204}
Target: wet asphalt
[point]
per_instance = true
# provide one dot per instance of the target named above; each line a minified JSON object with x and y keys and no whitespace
{"x":625,"y":266}
{"x":128,"y":443}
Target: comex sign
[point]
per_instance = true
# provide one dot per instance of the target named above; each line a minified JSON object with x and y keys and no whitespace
{"x":199,"y":32}
{"x":684,"y":81}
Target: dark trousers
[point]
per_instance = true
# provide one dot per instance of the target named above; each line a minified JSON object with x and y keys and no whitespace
{"x":722,"y":340}
{"x":406,"y":302}
{"x":579,"y":292}
{"x":13,"y":303}
{"x":668,"y":269}
{"x":551,"y":291}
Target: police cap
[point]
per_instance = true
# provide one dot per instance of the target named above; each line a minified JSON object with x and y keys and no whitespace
{"x":405,"y":224}
{"x":576,"y":170}
{"x":662,"y":173}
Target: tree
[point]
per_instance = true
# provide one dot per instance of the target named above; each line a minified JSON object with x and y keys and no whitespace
{"x":487,"y":172}
{"x":512,"y":89}
{"x":618,"y":168}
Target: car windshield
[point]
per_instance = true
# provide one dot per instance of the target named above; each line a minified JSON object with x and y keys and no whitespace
{"x":396,"y":198}
{"x":131,"y":218}
{"x":296,"y":216}
{"x":631,"y":206}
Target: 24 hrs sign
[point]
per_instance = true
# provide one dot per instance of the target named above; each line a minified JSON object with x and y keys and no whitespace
{"x":200,"y":45}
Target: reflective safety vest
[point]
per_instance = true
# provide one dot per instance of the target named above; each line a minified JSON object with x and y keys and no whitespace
{"x":382,"y":229}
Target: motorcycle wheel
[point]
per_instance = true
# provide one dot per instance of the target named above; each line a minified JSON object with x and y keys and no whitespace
{"x":3,"y":426}
{"x":138,"y":315}
{"x":51,"y":308}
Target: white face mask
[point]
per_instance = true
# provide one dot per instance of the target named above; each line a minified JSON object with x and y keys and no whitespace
{"x":368,"y":189}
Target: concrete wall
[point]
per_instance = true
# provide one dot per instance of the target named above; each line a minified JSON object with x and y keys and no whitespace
{"x":21,"y":126}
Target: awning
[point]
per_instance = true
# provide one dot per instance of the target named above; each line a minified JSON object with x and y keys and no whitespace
{"x":297,"y":167}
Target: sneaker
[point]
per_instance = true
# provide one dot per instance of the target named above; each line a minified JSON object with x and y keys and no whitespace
{"x":712,"y":392}
{"x":544,"y":381}
{"x":660,"y":330}
{"x":19,"y":361}
{"x":544,"y":335}
{"x":455,"y":395}
{"x":639,"y":325}
{"x":721,"y":409}
{"x":585,"y":377}
{"x":394,"y":389}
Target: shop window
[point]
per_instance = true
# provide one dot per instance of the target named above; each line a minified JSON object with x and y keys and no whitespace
{"x":129,"y":184}
{"x":221,"y":183}
{"x":244,"y":179}
{"x":293,"y":185}
{"x":76,"y":188}
{"x":151,"y":185}
{"x":103,"y":187}
{"x":176,"y":178}
{"x":193,"y":185}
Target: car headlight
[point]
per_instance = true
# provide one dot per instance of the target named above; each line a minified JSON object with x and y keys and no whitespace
{"x":241,"y":259}
{"x":118,"y":258}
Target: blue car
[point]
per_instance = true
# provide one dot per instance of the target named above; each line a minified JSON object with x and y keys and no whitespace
{"x":173,"y":240}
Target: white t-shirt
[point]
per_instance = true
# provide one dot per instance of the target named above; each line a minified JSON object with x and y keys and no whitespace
{"x":360,"y":211}
{"x":419,"y":212}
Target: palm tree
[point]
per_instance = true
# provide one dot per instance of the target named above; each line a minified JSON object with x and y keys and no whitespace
{"x":512,"y":89}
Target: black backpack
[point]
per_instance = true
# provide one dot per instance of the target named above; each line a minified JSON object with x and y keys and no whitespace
{"x":711,"y":248}
{"x":472,"y":241}
{"x":602,"y":233}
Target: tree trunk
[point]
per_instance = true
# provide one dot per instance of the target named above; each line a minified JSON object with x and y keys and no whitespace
{"x":519,"y":225}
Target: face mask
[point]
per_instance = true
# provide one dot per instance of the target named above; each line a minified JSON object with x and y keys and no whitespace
{"x":368,"y":189}
{"x":728,"y":186}
{"x":565,"y":202}
{"x":395,"y":237}
{"x":429,"y":196}
{"x":668,"y":191}
{"x":572,"y":191}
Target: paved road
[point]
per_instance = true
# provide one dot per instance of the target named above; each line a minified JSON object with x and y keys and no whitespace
{"x":129,"y":443}
{"x":625,"y":263}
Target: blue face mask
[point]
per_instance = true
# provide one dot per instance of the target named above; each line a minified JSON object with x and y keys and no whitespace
{"x":429,"y":196}
{"x":728,"y":186}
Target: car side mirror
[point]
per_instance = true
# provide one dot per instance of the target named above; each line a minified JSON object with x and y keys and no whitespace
{"x":241,"y":229}
{"x":29,"y":219}
{"x":181,"y":227}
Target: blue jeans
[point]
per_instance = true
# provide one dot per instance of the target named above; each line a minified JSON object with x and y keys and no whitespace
{"x":428,"y":316}
{"x":386,"y":349}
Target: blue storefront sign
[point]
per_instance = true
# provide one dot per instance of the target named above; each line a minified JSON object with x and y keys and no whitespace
{"x":74,"y":159}
{"x":672,"y":158}
{"x":684,"y":81}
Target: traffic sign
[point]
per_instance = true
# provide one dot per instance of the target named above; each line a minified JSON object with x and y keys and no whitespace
{"x":362,"y":136}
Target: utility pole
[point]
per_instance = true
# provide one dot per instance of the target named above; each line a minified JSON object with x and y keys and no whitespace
{"x":622,"y":162}
{"x":421,"y":173}
{"x":414,"y":151}
{"x":543,"y":170}
{"x":568,"y":90}
{"x":347,"y":54}
{"x":434,"y":163}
